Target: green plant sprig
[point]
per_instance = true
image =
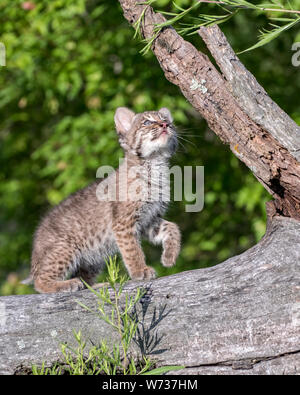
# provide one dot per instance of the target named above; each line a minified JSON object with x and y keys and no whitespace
{"x":102,"y":359}
{"x":231,"y":8}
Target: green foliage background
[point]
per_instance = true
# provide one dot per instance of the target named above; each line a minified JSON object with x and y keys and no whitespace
{"x":70,"y":64}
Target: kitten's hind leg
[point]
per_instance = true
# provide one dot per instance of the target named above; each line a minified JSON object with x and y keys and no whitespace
{"x":50,"y":277}
{"x":44,"y":284}
{"x":168,"y":234}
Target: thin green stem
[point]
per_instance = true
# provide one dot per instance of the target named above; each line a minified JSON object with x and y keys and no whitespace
{"x":232,"y":4}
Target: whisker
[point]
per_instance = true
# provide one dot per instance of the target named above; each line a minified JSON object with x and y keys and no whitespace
{"x":182,"y":145}
{"x":190,"y":142}
{"x":184,"y":131}
{"x":196,"y":128}
{"x":188,"y":134}
{"x":191,"y":135}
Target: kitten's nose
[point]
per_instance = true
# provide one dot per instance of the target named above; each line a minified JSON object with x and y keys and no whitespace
{"x":164,"y":124}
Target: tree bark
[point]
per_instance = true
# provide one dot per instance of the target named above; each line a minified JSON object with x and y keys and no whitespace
{"x":239,"y":317}
{"x":235,"y":107}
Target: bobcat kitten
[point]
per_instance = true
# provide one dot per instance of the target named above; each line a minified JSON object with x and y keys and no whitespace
{"x":75,"y":237}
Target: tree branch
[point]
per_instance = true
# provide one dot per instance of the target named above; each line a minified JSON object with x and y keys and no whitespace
{"x":274,"y":165}
{"x":252,"y":97}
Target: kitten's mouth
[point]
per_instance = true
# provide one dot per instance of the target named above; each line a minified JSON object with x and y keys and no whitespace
{"x":164,"y":132}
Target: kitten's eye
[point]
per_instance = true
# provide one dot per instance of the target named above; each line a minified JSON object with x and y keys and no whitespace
{"x":147,"y":122}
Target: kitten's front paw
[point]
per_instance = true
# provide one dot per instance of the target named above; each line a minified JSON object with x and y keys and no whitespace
{"x":147,"y":273}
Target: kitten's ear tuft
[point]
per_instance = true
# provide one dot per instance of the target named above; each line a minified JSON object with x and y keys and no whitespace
{"x":123,"y":119}
{"x":166,"y":114}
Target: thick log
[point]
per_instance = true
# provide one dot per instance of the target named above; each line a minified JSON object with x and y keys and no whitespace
{"x":271,"y":153}
{"x":239,"y":317}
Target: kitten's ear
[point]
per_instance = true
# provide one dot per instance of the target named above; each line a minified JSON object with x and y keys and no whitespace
{"x":123,"y":119}
{"x":166,"y":114}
